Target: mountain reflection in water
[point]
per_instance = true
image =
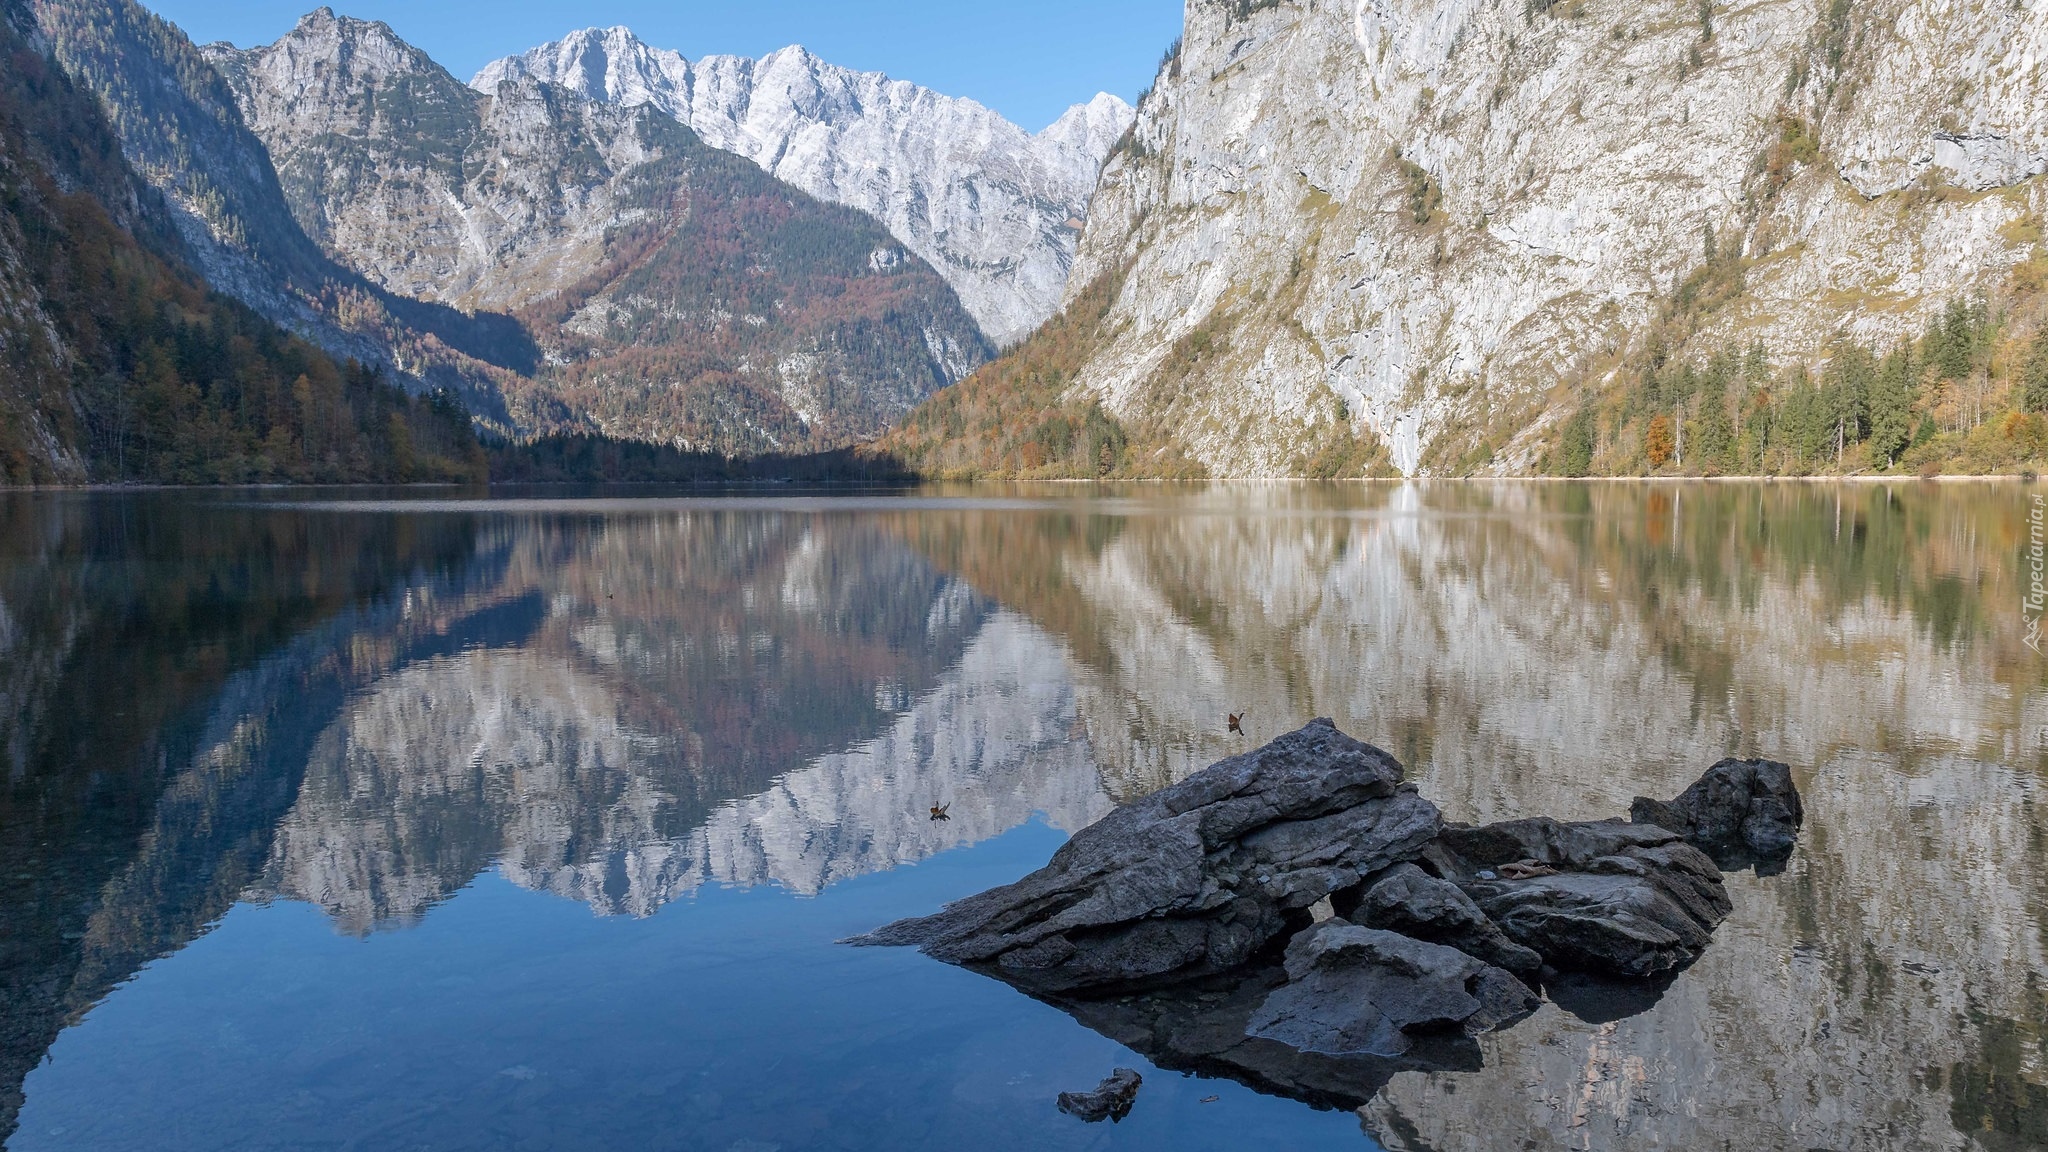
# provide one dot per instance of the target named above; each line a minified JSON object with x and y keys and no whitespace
{"x":365,"y":707}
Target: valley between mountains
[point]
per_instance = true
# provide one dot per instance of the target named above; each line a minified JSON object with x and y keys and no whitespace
{"x":1334,"y":238}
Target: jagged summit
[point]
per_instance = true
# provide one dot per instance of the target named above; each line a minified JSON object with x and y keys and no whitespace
{"x":988,"y":203}
{"x":676,"y":293}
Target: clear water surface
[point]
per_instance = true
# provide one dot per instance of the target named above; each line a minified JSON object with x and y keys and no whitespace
{"x":339,"y":823}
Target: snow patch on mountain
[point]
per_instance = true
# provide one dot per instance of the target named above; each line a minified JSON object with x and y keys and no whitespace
{"x":996,"y":209}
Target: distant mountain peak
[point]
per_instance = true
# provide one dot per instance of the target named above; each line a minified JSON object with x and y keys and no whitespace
{"x":606,"y":230}
{"x":986,"y":202}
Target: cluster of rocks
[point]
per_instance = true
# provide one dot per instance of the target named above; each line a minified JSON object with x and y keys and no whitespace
{"x":1300,"y":919}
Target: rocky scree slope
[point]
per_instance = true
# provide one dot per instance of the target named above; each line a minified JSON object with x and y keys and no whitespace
{"x":995,"y":209}
{"x":179,"y":128}
{"x":1415,"y":219}
{"x":677,"y":293}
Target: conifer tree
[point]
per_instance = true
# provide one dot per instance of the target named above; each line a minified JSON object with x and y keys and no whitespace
{"x":1891,"y":407}
{"x":2034,"y":376}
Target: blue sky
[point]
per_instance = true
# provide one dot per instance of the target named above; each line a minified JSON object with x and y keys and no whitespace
{"x":1027,"y":59}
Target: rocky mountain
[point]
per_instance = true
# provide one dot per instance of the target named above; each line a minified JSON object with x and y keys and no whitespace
{"x":1440,"y":226}
{"x":179,"y":128}
{"x":995,"y":209}
{"x":676,"y":293}
{"x":119,"y":363}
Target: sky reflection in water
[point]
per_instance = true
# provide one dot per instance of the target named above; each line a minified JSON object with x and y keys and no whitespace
{"x":355,"y":769}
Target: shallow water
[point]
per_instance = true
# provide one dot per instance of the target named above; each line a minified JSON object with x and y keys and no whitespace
{"x":332,"y":822}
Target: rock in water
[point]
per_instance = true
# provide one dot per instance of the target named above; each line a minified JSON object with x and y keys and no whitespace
{"x":1741,"y":812}
{"x":1407,"y":900}
{"x":1160,"y":925}
{"x":1194,"y":879}
{"x":1111,"y":1100}
{"x":1627,"y":899}
{"x":1355,"y":991}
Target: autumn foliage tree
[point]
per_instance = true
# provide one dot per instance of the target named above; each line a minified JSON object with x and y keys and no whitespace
{"x":1658,"y":442}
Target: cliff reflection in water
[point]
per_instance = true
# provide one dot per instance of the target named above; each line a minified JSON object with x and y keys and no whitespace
{"x":365,"y":709}
{"x":707,"y":697}
{"x":1559,"y":650}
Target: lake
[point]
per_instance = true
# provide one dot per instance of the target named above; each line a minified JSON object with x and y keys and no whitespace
{"x":395,"y":821}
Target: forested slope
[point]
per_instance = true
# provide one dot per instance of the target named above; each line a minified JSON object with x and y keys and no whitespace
{"x":118,"y":362}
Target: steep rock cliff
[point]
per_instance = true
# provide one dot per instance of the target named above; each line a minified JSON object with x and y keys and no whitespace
{"x":1416,"y":219}
{"x":995,"y":209}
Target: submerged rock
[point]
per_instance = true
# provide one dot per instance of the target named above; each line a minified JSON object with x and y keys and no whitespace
{"x":1194,"y":879}
{"x":1741,"y":812}
{"x":1111,"y":1100}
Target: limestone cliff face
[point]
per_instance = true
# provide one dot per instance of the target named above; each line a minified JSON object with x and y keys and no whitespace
{"x":994,"y":208}
{"x":420,"y":184}
{"x":677,"y":293}
{"x":1417,"y":217}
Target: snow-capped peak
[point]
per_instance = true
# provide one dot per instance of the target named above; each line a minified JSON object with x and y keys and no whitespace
{"x":987,"y":203}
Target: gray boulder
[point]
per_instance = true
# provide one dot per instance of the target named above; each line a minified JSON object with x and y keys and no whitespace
{"x":1355,"y":991}
{"x":1111,"y":1100}
{"x":1407,"y":900}
{"x":1741,"y":812}
{"x":1623,"y":899}
{"x":1194,"y":879}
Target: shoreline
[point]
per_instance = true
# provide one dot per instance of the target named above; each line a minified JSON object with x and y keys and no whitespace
{"x":96,"y":489}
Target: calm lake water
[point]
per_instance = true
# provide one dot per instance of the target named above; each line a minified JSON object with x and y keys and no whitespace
{"x":331,"y":823}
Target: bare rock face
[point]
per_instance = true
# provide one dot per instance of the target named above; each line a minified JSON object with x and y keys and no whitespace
{"x":996,"y":209}
{"x":676,"y":293}
{"x":1410,"y":219}
{"x":1741,"y":812}
{"x":1195,"y":879}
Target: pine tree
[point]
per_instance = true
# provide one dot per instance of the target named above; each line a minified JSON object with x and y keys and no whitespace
{"x":2034,"y":376}
{"x":1891,"y":407}
{"x":1575,"y":447}
{"x":1715,"y":438}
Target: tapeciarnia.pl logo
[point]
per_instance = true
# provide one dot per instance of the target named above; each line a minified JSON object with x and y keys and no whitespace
{"x":2037,"y":570}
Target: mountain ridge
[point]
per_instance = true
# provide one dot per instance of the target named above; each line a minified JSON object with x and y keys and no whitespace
{"x":676,"y":293}
{"x":180,"y":129}
{"x":119,"y":363}
{"x":981,"y":199}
